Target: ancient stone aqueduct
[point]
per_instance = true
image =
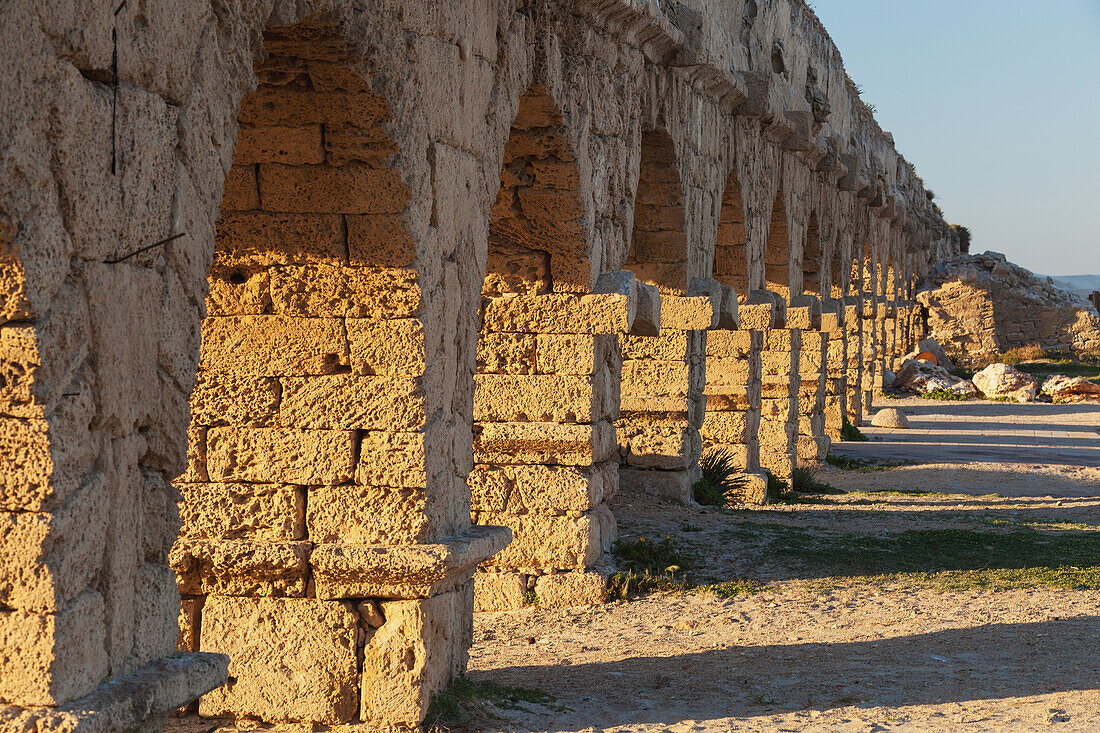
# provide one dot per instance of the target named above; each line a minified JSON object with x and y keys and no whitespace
{"x":444,"y":277}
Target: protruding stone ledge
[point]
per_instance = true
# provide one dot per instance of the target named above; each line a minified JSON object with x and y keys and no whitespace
{"x":612,"y":309}
{"x":412,"y":571}
{"x":636,"y":21}
{"x":804,"y":313}
{"x":135,"y":702}
{"x":762,"y":310}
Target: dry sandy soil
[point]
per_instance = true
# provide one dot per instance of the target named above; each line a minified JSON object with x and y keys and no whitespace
{"x":869,"y":611}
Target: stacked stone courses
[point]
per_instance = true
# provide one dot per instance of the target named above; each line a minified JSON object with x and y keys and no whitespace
{"x":324,"y":323}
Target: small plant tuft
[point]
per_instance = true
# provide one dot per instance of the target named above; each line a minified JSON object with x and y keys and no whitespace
{"x":453,"y":707}
{"x":722,"y":482}
{"x":850,"y":433}
{"x":777,"y":488}
{"x":646,"y":566}
{"x":530,"y":598}
{"x":946,"y":395}
{"x":864,"y":466}
{"x":804,"y":480}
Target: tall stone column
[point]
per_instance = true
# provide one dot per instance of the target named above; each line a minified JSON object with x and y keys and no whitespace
{"x":836,"y":367}
{"x":325,"y":518}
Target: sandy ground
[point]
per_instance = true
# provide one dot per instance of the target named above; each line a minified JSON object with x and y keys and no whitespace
{"x":818,"y":653}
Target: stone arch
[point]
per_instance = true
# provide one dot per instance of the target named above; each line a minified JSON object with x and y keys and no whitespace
{"x":658,"y":247}
{"x":544,"y":457}
{"x":731,"y":254}
{"x":538,"y":213}
{"x":319,"y":457}
{"x":777,"y":251}
{"x":812,"y":257}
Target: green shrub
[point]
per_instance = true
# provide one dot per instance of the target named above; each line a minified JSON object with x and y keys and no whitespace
{"x":850,"y":433}
{"x":777,"y":488}
{"x":723,"y":480}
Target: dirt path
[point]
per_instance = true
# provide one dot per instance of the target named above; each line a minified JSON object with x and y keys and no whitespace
{"x":976,"y":607}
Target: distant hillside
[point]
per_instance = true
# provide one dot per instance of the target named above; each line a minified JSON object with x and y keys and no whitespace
{"x":1080,"y":284}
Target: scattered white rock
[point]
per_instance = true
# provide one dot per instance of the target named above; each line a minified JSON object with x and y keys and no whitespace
{"x":890,"y":418}
{"x":917,"y":376}
{"x":1002,"y":380}
{"x":1071,"y":389}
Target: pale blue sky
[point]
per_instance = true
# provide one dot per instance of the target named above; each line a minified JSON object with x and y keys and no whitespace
{"x":997,"y":102}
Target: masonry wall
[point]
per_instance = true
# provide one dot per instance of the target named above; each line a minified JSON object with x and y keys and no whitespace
{"x":252,"y":248}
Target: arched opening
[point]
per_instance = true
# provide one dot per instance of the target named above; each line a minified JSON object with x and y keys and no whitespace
{"x":662,"y":375}
{"x":840,"y":272}
{"x":658,"y":246}
{"x":777,"y":252}
{"x":311,"y":433}
{"x":544,"y":398}
{"x":811,"y":258}
{"x":731,"y":259}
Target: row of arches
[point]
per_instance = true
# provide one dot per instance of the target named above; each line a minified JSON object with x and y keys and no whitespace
{"x":447,"y":309}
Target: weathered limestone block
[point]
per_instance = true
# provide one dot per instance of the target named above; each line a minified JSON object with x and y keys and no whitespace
{"x":546,"y":443}
{"x":46,"y":459}
{"x":40,"y":359}
{"x":367,"y":515}
{"x":499,"y":591}
{"x":560,"y":313}
{"x":271,"y":346}
{"x":574,"y":353}
{"x":240,"y":567}
{"x":291,"y":659}
{"x":393,"y":348}
{"x":650,"y":442}
{"x":671,"y":484}
{"x":231,"y":399}
{"x":351,"y":292}
{"x":554,"y":542}
{"x":352,"y":402}
{"x":52,"y":658}
{"x":46,"y":560}
{"x":521,"y":489}
{"x":422,"y":644}
{"x":264,"y":239}
{"x":354,"y":188}
{"x":280,"y":455}
{"x":241,"y":511}
{"x":565,"y":590}
{"x":538,"y":398}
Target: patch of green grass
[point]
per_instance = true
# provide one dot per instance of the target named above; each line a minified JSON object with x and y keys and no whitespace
{"x":723,"y":481}
{"x":530,"y":598}
{"x":734,"y":588}
{"x":464,"y":702}
{"x":946,"y":395}
{"x":850,"y":433}
{"x":864,"y":466}
{"x":1065,"y":367}
{"x":804,"y":480}
{"x":943,"y":559}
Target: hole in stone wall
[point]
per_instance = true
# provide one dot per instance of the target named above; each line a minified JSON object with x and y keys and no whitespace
{"x":779,"y":66}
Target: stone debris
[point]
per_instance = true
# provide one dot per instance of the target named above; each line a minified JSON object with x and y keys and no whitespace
{"x":931,"y":346}
{"x":1005,"y":381}
{"x":921,"y":377}
{"x":890,"y":418}
{"x":1071,"y":389}
{"x":984,"y":304}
